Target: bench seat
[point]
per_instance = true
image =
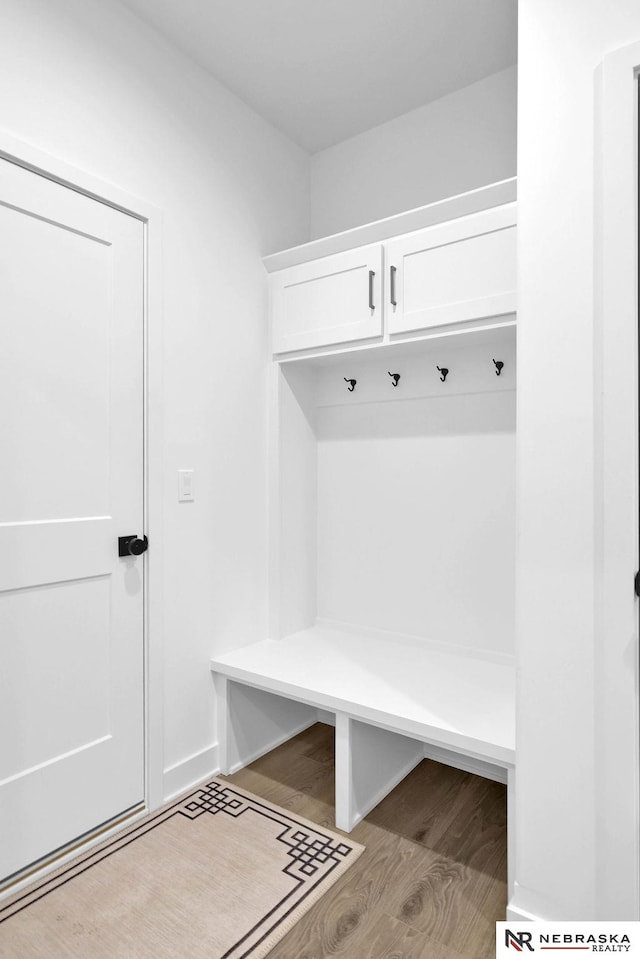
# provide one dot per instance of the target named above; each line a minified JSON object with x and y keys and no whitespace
{"x":440,"y":695}
{"x":396,"y":700}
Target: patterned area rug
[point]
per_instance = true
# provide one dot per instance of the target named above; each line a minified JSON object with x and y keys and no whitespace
{"x":219,"y":874}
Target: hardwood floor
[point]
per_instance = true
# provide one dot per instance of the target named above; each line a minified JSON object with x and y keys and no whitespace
{"x":433,"y":878}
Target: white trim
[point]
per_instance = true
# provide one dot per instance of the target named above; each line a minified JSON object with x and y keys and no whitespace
{"x":190,"y":772}
{"x":44,"y":164}
{"x":77,"y":848}
{"x":616,"y":484}
{"x":495,"y":194}
{"x":397,"y":341}
{"x":421,"y":642}
{"x":154,"y":519}
{"x":516,"y":914}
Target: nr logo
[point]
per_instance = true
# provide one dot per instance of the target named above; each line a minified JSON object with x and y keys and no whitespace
{"x":518,"y":940}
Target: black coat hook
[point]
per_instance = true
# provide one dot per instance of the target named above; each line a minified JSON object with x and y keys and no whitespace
{"x":443,"y":371}
{"x":352,"y":384}
{"x":395,"y":377}
{"x":498,"y":365}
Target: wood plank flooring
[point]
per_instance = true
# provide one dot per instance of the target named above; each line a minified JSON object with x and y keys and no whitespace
{"x":433,"y":878}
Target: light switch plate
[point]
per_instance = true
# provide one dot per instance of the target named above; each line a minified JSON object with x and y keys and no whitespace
{"x":185,"y":486}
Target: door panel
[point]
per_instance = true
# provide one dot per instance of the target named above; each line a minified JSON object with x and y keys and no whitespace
{"x":78,"y":690}
{"x":457,"y":271}
{"x":71,"y":611}
{"x":48,"y":325}
{"x":332,"y":300}
{"x":73,"y":548}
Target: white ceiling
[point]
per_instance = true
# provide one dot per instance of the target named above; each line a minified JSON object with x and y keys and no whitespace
{"x":324,"y":70}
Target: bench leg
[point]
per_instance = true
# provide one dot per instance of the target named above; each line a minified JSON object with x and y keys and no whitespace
{"x":344,"y":775}
{"x":511,"y":828}
{"x":370,"y":762}
{"x":221,"y":685}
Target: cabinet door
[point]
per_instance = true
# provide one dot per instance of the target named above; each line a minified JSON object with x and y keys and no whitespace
{"x":332,"y":300}
{"x":461,"y":270}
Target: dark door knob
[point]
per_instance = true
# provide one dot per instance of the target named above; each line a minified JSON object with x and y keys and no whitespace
{"x":132,"y":546}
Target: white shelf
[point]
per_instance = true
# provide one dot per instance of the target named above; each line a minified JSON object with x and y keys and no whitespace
{"x":461,"y":700}
{"x":490,"y":334}
{"x":474,"y":201}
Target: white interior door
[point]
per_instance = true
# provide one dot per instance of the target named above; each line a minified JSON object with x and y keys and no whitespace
{"x":71,"y":482}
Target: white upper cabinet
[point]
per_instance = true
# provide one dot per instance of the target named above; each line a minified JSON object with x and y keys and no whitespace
{"x":447,"y":264}
{"x":336,"y":299}
{"x":464,"y":269}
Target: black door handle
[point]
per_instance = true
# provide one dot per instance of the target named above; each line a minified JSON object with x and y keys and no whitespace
{"x":132,"y":546}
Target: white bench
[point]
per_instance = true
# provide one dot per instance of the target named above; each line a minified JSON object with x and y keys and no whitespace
{"x":396,"y":700}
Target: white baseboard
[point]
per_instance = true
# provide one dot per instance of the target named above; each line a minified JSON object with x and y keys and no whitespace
{"x":515,"y":914}
{"x":278,"y":741}
{"x":467,"y":763}
{"x":190,"y":771}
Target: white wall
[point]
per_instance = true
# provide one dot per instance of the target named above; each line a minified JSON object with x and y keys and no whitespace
{"x":87,"y":82}
{"x":416,"y":518}
{"x":460,"y":142}
{"x":561,"y":841}
{"x":416,"y":495}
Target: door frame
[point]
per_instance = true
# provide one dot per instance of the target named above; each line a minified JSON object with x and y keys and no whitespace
{"x":617,"y":481}
{"x":38,"y":161}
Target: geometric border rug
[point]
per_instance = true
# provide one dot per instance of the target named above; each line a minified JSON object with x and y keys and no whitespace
{"x":220,"y":874}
